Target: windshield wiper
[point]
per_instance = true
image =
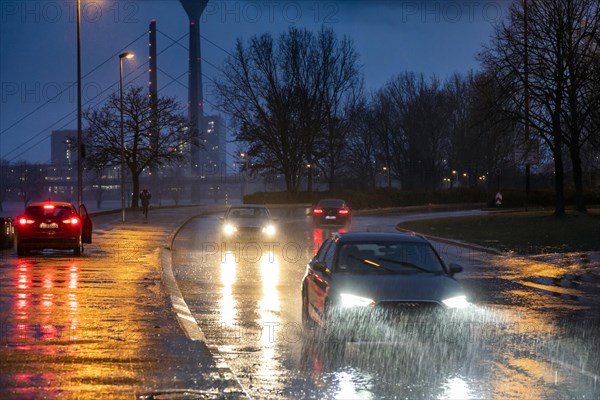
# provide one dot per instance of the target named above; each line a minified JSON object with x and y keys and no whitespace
{"x":408,"y":264}
{"x":371,"y":263}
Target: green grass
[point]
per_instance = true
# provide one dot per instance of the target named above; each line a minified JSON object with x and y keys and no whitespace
{"x":523,"y":232}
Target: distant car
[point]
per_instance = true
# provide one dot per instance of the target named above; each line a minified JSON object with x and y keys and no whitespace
{"x":7,"y":233}
{"x":376,"y":275}
{"x":333,"y":212}
{"x":247,"y":222}
{"x":53,"y":225}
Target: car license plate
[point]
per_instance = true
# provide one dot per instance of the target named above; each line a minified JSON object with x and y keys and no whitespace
{"x":52,"y":225}
{"x":330,"y":217}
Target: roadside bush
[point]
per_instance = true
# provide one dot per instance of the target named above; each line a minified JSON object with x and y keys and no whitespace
{"x":540,"y":198}
{"x":384,"y":197}
{"x":377,"y":198}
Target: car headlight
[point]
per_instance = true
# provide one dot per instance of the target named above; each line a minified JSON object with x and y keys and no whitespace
{"x":229,"y":229}
{"x":350,"y":300}
{"x":269,"y":230}
{"x":456,"y":302}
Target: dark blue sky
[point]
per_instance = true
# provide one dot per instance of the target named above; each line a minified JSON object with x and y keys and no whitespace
{"x":38,"y":49}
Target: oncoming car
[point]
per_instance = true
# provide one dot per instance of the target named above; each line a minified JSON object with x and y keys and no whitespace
{"x":53,"y":225}
{"x":333,"y":212}
{"x":247,"y":222}
{"x":382,"y":275}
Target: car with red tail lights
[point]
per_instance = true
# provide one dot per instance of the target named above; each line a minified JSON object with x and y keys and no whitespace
{"x":53,"y":225}
{"x":334,"y":212}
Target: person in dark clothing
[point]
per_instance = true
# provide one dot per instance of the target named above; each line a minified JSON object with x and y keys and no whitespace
{"x":145,"y":197}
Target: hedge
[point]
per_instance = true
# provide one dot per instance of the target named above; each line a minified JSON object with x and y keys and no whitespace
{"x":385,"y":197}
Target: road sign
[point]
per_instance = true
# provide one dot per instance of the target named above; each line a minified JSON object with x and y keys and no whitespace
{"x":498,"y":199}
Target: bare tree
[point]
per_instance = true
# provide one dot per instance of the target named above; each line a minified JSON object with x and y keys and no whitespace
{"x":142,"y":150}
{"x":542,"y":57}
{"x":580,"y":39}
{"x":281,"y":94}
{"x":412,"y":115}
{"x":361,"y":148}
{"x":340,"y":96}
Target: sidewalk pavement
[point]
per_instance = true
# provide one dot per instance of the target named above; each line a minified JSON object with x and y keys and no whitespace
{"x":103,"y":326}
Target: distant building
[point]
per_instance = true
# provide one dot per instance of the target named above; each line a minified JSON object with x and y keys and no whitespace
{"x":213,"y":155}
{"x":63,"y":147}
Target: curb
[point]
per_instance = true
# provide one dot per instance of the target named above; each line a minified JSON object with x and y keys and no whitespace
{"x":187,"y":322}
{"x":184,"y":316}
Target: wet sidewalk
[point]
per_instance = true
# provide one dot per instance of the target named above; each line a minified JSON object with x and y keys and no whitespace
{"x":102,"y":326}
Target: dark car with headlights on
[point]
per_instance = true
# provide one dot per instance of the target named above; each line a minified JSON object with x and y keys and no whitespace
{"x":53,"y":225}
{"x":247,"y":222}
{"x":359,"y":275}
{"x":334,"y":212}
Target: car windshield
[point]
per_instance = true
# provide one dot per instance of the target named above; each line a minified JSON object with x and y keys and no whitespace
{"x":389,"y":257}
{"x":49,"y":211}
{"x":248,"y":212}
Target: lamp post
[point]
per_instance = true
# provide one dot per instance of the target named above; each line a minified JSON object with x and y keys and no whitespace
{"x":79,"y":113}
{"x":121,"y":57}
{"x":244,"y":157}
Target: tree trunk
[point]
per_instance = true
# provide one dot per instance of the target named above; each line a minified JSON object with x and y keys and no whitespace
{"x":559,"y":180}
{"x":577,"y":178}
{"x":291,"y":181}
{"x":135,"y":178}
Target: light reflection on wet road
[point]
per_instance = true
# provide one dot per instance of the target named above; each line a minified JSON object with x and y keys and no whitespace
{"x":516,"y":342}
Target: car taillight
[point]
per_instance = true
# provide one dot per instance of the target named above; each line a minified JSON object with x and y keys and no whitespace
{"x":72,"y":221}
{"x":25,"y":221}
{"x":318,"y":211}
{"x":48,"y":206}
{"x":344,"y":211}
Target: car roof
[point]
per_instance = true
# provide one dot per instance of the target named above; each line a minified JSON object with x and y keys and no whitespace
{"x":55,"y":203}
{"x":342,"y":200}
{"x":353,"y":237}
{"x":331,"y":201}
{"x":248,"y":206}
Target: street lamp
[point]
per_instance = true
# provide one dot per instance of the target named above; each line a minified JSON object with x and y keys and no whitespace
{"x":244,"y":172}
{"x":79,"y":113}
{"x":127,"y":55}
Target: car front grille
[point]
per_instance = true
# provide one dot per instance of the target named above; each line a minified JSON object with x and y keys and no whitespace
{"x":393,"y":308}
{"x":249,"y":229}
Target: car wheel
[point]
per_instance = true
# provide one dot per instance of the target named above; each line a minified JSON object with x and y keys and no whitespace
{"x":77,"y":250}
{"x":307,"y":322}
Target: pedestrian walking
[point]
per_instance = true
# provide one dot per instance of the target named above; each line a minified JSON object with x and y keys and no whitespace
{"x":145,"y":197}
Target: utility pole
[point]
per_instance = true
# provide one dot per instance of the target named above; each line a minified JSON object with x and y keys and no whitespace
{"x":79,"y":112}
{"x":527,"y":138}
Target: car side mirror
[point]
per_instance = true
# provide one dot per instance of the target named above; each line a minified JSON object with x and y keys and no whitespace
{"x":455,"y":268}
{"x":321,"y":267}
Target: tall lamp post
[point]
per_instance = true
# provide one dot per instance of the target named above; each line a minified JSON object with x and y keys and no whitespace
{"x":121,"y":57}
{"x":244,"y":171}
{"x":79,"y":113}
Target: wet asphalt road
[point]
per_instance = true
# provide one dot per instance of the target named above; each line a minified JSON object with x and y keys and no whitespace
{"x":532,"y":332}
{"x":100,"y":326}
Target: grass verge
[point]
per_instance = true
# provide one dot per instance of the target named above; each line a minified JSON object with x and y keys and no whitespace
{"x":533,"y":232}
